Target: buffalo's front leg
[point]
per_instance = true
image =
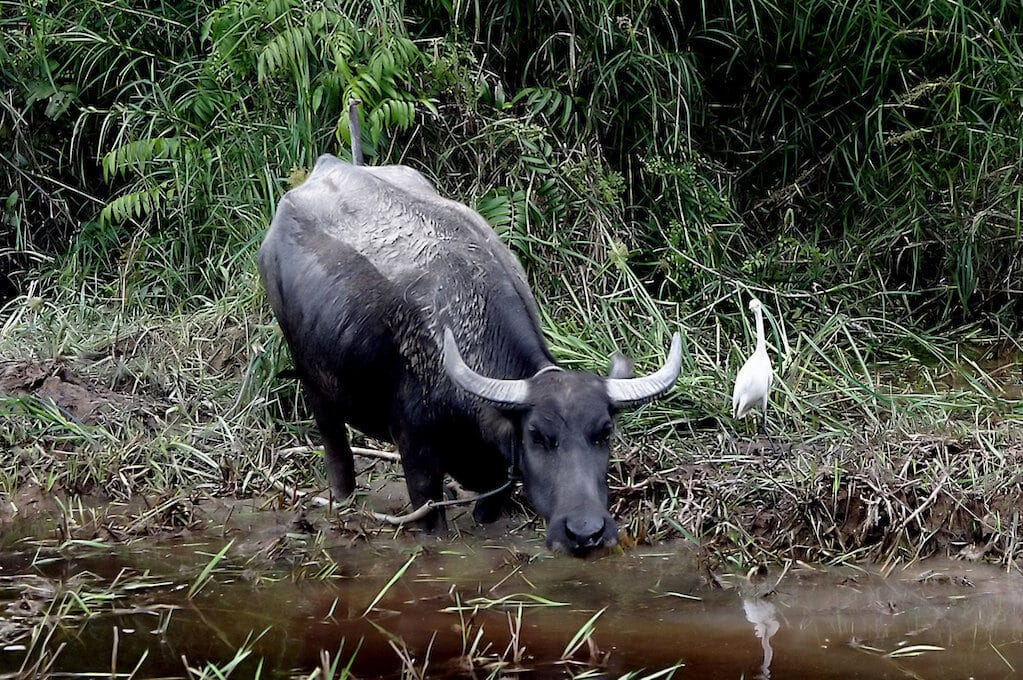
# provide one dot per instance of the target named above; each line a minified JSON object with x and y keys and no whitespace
{"x":425,"y":481}
{"x":489,"y":509}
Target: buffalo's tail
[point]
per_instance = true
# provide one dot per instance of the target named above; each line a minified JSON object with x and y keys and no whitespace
{"x":353,"y":130}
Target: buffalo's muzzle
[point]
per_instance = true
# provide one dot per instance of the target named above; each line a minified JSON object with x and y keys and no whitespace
{"x":582,"y":534}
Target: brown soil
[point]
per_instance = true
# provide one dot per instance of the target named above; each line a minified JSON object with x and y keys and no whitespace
{"x":53,"y":381}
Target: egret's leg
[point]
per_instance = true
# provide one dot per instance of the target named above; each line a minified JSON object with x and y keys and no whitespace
{"x":736,"y":437}
{"x":763,"y":423}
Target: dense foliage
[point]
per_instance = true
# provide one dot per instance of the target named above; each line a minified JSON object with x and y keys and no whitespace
{"x":846,"y":154}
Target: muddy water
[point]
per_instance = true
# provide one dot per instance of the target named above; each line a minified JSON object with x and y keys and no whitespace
{"x":455,"y":605}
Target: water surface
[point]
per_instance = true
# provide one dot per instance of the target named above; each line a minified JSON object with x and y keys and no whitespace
{"x":286,"y":598}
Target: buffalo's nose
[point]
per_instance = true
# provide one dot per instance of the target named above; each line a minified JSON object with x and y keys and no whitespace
{"x":585,"y":532}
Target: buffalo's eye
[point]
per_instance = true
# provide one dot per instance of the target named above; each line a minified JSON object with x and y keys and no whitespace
{"x":540,"y":439}
{"x":603,"y":435}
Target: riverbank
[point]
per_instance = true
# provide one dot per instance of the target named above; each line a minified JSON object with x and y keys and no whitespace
{"x":97,"y":405}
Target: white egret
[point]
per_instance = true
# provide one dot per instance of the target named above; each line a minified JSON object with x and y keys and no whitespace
{"x":753,"y":384}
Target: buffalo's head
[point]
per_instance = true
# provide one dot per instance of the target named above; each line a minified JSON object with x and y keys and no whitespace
{"x":565,"y":423}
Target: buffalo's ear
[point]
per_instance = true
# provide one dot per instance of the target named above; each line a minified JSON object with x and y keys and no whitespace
{"x":620,"y":368}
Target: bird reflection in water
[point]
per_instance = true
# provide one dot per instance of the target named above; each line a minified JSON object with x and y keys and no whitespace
{"x":764,"y":617}
{"x":762,"y":613}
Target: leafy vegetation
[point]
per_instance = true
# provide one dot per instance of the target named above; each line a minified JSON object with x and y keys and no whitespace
{"x":855,"y":165}
{"x":867,"y":145}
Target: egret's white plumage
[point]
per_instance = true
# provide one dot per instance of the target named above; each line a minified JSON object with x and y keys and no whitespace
{"x":753,"y":383}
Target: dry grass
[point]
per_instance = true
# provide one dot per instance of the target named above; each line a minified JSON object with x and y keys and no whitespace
{"x":891,"y":501}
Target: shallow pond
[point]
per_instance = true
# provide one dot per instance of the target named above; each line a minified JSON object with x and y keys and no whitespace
{"x":278,"y":600}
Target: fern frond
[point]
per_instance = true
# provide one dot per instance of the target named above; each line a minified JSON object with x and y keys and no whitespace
{"x":285,"y":51}
{"x":547,"y":103}
{"x":132,"y":205}
{"x":137,"y":155}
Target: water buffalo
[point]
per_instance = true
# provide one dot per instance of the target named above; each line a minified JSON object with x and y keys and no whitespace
{"x":408,"y":319}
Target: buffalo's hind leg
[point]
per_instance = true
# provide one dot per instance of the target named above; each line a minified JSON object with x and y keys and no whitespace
{"x":337,"y":453}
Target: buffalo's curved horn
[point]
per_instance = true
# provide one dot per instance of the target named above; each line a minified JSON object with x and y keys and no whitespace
{"x":633,"y":391}
{"x":499,"y":392}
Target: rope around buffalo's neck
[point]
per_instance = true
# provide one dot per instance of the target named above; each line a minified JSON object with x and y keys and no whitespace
{"x":429,"y":506}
